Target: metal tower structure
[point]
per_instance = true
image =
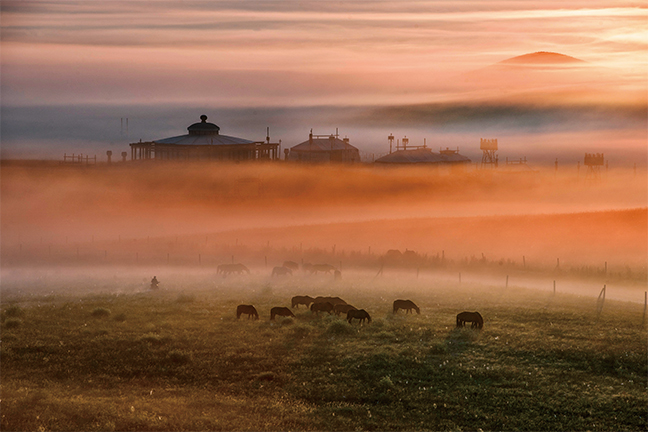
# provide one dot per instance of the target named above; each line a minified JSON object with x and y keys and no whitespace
{"x":489,"y":150}
{"x":593,"y":162}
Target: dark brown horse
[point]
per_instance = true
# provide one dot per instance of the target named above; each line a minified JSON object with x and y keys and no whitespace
{"x":226,"y":269}
{"x":292,"y":265}
{"x":472,"y":317}
{"x":358,"y":314}
{"x":281,"y":271}
{"x":408,"y":305}
{"x":325,"y":306}
{"x":332,"y":300}
{"x":281,"y":311}
{"x":249,"y":310}
{"x":342,"y":309}
{"x":324,"y":268}
{"x":305,"y":300}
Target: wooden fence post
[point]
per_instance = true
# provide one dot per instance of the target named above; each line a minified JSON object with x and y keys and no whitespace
{"x":643,"y":319}
{"x":507,"y":281}
{"x":599,"y":302}
{"x":554,"y":288}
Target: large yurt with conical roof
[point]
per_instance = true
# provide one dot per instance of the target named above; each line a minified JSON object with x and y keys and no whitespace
{"x":204,"y":141}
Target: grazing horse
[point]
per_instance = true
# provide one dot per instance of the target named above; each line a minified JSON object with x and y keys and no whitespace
{"x":408,"y":305}
{"x":305,"y":300}
{"x":292,"y":265}
{"x":249,"y":310}
{"x":226,"y":269}
{"x":324,"y":268}
{"x":281,"y":311}
{"x":472,"y":317}
{"x":326,"y":307}
{"x":358,"y":314}
{"x":342,"y":308}
{"x":332,"y":300}
{"x":281,"y":271}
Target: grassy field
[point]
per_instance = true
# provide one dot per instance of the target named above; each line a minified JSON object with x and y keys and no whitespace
{"x":178,"y":359}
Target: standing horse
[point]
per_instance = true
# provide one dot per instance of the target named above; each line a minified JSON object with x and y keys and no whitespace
{"x":249,"y":310}
{"x":281,"y":271}
{"x":408,"y":305}
{"x":281,"y":311}
{"x":305,"y":300}
{"x":226,"y":269}
{"x":472,"y":317}
{"x":292,"y":265}
{"x":342,"y":308}
{"x":324,"y":268}
{"x":325,"y":306}
{"x":358,"y":314}
{"x":332,"y":300}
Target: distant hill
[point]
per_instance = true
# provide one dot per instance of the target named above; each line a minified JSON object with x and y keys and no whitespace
{"x":542,"y":58}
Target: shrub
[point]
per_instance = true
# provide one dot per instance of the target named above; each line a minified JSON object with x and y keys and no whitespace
{"x":186,"y":298}
{"x":287,"y":321}
{"x":438,"y":348}
{"x":153,"y":339}
{"x":340,"y":328}
{"x":100,"y":312}
{"x":265,"y":376}
{"x":120,"y":317}
{"x":14,"y":312}
{"x":386,"y":383}
{"x":13,"y":323}
{"x":179,"y":357}
{"x":300,"y":331}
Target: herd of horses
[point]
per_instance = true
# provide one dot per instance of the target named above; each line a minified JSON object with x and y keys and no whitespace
{"x":337,"y":306}
{"x":286,"y":269}
{"x":330,"y":305}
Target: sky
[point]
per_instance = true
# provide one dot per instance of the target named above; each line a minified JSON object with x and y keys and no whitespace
{"x":72,"y":71}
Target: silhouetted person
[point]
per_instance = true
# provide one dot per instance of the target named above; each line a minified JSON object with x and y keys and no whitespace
{"x":154,"y":283}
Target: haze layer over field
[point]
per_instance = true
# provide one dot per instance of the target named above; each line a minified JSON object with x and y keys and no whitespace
{"x":501,"y":215}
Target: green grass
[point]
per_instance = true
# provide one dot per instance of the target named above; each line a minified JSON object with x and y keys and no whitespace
{"x":182,"y":361}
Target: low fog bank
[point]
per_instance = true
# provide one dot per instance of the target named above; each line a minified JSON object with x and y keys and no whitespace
{"x":57,"y":204}
{"x":61,"y":284}
{"x":193,"y":215}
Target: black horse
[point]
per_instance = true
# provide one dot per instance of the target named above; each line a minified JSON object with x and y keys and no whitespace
{"x":408,"y":305}
{"x":325,"y":306}
{"x":474,"y":318}
{"x":281,"y":311}
{"x":305,"y":300}
{"x":249,"y":310}
{"x":358,"y":314}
